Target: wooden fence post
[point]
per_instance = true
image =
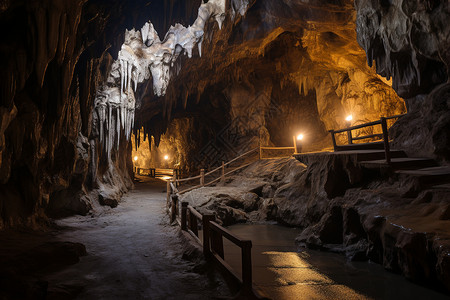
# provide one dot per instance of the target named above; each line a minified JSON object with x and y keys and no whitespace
{"x":349,"y":137}
{"x":173,"y":216}
{"x":193,"y":225}
{"x":174,"y":177}
{"x":207,"y":234}
{"x":247,"y":266}
{"x":184,"y":206}
{"x":217,"y":243}
{"x":223,"y":172}
{"x":202,"y":177}
{"x":168,"y":194}
{"x":333,"y":139}
{"x":387,"y":150}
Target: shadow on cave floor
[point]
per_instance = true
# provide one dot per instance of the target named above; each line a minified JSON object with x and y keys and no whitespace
{"x":131,"y":252}
{"x":283,"y":270}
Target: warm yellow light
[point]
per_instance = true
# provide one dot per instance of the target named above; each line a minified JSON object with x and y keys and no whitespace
{"x":300,"y":137}
{"x":135,"y":158}
{"x":166,"y":157}
{"x":349,"y":118}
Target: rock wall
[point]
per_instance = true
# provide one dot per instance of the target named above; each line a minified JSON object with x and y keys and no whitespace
{"x":285,"y":67}
{"x":409,"y":42}
{"x":53,"y":55}
{"x":342,"y":208}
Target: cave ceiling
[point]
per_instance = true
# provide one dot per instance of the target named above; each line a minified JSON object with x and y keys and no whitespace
{"x":285,"y":50}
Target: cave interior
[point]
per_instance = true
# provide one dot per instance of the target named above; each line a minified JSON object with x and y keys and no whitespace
{"x":96,"y":93}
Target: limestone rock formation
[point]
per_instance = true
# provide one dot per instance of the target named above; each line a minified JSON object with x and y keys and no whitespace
{"x":284,"y":68}
{"x":409,"y":42}
{"x":143,"y":55}
{"x":342,"y":208}
{"x":53,"y":56}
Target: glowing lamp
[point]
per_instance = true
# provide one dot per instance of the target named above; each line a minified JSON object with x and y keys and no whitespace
{"x":166,"y":157}
{"x":135,"y":158}
{"x":349,"y":118}
{"x":298,"y":141}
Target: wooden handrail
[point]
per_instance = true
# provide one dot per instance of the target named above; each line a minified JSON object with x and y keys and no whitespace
{"x":227,"y":234}
{"x":246,"y":255}
{"x":239,"y":157}
{"x":384,"y":135}
{"x":231,"y":161}
{"x":356,"y":127}
{"x":373,"y":123}
{"x":173,"y":187}
{"x":195,"y":213}
{"x":278,"y":148}
{"x":188,"y":179}
{"x":203,"y":175}
{"x":189,"y":189}
{"x":213,"y":235}
{"x":378,"y":135}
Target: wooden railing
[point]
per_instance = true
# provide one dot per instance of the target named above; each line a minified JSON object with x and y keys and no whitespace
{"x":212,"y":244}
{"x":261,"y":150}
{"x":223,"y":174}
{"x":158,"y":172}
{"x":190,"y":220}
{"x":384,"y":136}
{"x":217,"y":233}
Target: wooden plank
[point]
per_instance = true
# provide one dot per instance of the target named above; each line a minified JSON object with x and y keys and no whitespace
{"x":227,"y":234}
{"x":358,"y":126}
{"x":226,"y":268}
{"x":378,"y":135}
{"x":278,"y":148}
{"x":188,"y":179}
{"x":195,"y":212}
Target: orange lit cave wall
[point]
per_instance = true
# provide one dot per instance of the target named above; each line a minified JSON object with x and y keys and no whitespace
{"x":175,"y":144}
{"x":277,"y":72}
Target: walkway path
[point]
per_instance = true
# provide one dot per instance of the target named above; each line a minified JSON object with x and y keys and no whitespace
{"x":133,"y":253}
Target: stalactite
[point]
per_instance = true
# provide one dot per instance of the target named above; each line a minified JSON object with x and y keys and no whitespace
{"x":143,"y":55}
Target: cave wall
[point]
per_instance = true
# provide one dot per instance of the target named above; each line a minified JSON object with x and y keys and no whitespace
{"x":408,"y":41}
{"x":285,"y":67}
{"x":53,"y":55}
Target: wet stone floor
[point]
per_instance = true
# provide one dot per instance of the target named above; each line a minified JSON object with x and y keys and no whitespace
{"x":281,"y":270}
{"x":133,"y":253}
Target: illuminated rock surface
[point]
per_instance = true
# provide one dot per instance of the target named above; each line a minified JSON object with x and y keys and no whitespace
{"x":70,"y":94}
{"x":364,"y":218}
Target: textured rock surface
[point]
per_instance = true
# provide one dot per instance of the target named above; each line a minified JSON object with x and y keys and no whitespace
{"x":286,"y":67}
{"x":409,"y":42}
{"x":25,"y":257}
{"x":53,"y":55}
{"x":367,"y":217}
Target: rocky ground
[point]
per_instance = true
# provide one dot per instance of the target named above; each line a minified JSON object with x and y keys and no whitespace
{"x":365,"y":217}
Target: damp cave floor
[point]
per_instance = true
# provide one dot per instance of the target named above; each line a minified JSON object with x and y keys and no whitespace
{"x":134,"y":253}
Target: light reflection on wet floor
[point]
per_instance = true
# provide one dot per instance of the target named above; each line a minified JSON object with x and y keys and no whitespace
{"x":281,"y":272}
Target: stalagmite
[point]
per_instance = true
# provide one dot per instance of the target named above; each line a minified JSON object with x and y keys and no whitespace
{"x":142,"y":54}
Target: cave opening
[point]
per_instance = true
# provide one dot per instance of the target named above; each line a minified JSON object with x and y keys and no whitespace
{"x":144,"y":143}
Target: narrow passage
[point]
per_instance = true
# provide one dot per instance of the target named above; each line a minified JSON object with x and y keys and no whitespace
{"x":133,"y":253}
